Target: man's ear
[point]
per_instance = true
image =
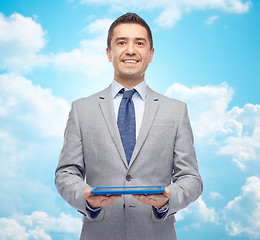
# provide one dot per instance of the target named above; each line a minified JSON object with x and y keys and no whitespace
{"x":151,"y":55}
{"x":109,"y":55}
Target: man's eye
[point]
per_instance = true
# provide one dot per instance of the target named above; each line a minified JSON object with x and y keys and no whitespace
{"x":140,"y":43}
{"x":121,"y":43}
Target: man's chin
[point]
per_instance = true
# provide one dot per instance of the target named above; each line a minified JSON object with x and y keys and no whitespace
{"x":131,"y":76}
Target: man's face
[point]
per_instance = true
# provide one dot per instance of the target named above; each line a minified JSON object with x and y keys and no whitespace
{"x":130,"y":51}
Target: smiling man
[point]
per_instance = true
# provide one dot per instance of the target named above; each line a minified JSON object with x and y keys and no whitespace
{"x":128,"y":135}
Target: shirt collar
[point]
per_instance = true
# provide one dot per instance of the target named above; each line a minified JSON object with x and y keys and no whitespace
{"x":141,"y":89}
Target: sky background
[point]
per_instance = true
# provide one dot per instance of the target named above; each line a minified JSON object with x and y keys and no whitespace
{"x":207,"y":53}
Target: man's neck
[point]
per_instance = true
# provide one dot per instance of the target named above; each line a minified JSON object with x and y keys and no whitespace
{"x":129,"y":83}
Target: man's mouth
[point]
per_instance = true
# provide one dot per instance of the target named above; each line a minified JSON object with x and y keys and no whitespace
{"x":130,"y":61}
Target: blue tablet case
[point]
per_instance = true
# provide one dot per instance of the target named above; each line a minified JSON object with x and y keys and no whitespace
{"x":127,"y":190}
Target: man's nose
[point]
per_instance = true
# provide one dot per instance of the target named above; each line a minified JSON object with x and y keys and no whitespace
{"x":130,"y":49}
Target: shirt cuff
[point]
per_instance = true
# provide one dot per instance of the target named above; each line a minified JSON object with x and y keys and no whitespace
{"x":160,"y":213}
{"x":93,"y":212}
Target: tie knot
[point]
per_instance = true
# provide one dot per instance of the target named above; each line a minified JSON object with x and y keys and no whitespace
{"x":128,"y":93}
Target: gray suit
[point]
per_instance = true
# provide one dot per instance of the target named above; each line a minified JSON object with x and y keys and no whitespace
{"x":164,"y":155}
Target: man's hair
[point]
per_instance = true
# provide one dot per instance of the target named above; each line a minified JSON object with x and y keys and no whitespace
{"x":129,"y":18}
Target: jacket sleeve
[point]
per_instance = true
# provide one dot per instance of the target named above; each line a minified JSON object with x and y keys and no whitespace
{"x":70,"y":172}
{"x":186,"y":184}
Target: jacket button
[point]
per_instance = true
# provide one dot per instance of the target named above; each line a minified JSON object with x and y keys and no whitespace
{"x":128,"y":178}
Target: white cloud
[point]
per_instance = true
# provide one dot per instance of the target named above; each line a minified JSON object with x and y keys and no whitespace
{"x":169,"y":16}
{"x":200,"y":212}
{"x":64,"y":223}
{"x":172,"y":10}
{"x":39,"y":225}
{"x":27,"y":170}
{"x":182,"y":214}
{"x":9,"y":145}
{"x":236,"y":132}
{"x":23,"y":104}
{"x":215,"y":195}
{"x":234,"y":6}
{"x":90,"y":58}
{"x":207,"y":214}
{"x":212,"y":19}
{"x":99,"y":26}
{"x":31,"y":131}
{"x":242,"y":215}
{"x":178,"y":7}
{"x":11,"y":229}
{"x":242,"y":135}
{"x":207,"y":106}
{"x":21,"y":40}
{"x":13,"y":159}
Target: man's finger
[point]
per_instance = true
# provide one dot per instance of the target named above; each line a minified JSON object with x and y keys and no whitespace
{"x":117,"y":196}
{"x":87,"y":193}
{"x":167,"y":193}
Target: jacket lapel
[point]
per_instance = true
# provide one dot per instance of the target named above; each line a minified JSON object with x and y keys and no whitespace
{"x":151,"y":108}
{"x":106,"y":106}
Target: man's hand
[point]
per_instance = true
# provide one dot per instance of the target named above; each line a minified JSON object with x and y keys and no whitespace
{"x":156,"y":200}
{"x":95,"y":201}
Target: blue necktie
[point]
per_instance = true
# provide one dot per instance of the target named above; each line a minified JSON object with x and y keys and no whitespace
{"x":126,"y":122}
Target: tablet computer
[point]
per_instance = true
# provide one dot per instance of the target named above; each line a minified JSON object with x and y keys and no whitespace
{"x":127,"y":190}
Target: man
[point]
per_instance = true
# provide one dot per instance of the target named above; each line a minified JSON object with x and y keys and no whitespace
{"x":128,"y":135}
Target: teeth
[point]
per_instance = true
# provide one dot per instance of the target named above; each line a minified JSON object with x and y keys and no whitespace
{"x":130,"y":61}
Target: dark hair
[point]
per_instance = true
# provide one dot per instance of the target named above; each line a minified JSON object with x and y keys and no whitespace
{"x":129,"y":18}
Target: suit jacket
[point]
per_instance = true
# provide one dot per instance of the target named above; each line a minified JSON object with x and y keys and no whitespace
{"x":93,"y":155}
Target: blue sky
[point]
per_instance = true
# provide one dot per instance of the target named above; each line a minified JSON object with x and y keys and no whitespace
{"x":207,"y":53}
